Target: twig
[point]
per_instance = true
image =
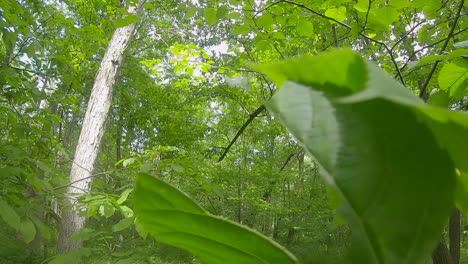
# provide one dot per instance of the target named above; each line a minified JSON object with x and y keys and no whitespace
{"x":286,"y":162}
{"x":241,"y":130}
{"x":71,"y":183}
{"x":444,"y":46}
{"x":428,"y":46}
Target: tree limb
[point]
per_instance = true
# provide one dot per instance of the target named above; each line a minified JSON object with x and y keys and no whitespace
{"x":241,"y":130}
{"x":444,"y":46}
{"x":390,"y":52}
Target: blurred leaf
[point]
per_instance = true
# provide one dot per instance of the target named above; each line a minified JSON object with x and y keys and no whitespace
{"x":366,"y":158}
{"x":9,"y":215}
{"x":28,"y":230}
{"x":338,"y":13}
{"x":305,"y":29}
{"x":439,"y":98}
{"x":106,"y":210}
{"x":265,"y":21}
{"x":129,"y":19}
{"x":453,"y":78}
{"x":123,"y":197}
{"x":175,"y":219}
{"x":211,"y":16}
{"x":123,"y":224}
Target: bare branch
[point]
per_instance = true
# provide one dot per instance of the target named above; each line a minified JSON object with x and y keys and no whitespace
{"x":444,"y":46}
{"x":241,"y":130}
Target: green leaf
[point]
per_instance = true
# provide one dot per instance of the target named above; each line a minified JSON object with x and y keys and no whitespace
{"x":126,"y":162}
{"x":126,"y":211}
{"x":128,"y":20}
{"x":439,"y":98}
{"x":305,"y":29}
{"x":28,"y":230}
{"x":265,"y":21}
{"x":338,"y":13}
{"x":453,"y":78}
{"x":211,"y":16}
{"x":148,"y":6}
{"x":175,"y":219}
{"x":383,"y":17}
{"x":349,"y":71}
{"x":140,"y":229}
{"x":279,"y":35}
{"x":106,"y":210}
{"x":390,"y":195}
{"x":123,"y":197}
{"x":362,"y":6}
{"x":222,"y":12}
{"x":123,"y":224}
{"x":241,"y":30}
{"x":9,"y":215}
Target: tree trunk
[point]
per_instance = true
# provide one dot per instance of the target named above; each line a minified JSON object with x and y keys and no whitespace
{"x":441,"y":254}
{"x":454,"y":236}
{"x":91,"y":134}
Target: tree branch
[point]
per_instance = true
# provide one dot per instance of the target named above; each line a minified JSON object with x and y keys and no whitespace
{"x":444,"y":46}
{"x":241,"y":130}
{"x":397,"y":69}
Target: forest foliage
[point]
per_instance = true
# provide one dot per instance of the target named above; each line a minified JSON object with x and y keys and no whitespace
{"x":302,"y":131}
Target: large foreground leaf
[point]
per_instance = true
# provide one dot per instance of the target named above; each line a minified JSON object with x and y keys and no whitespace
{"x":389,"y":155}
{"x":173,"y":218}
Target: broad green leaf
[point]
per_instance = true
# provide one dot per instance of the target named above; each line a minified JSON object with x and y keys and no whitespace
{"x":305,"y":29}
{"x":338,"y":13}
{"x":129,"y":161}
{"x":140,"y":229}
{"x":241,"y":30}
{"x":27,"y":229}
{"x":362,"y":140}
{"x":106,"y":210}
{"x":123,"y":197}
{"x":362,"y":6}
{"x":222,"y":12}
{"x":349,"y":70}
{"x":130,"y":19}
{"x":439,"y":98}
{"x":211,"y":16}
{"x":123,"y":224}
{"x":148,"y":6}
{"x":126,"y":211}
{"x":453,"y":78}
{"x":279,"y":35}
{"x":9,"y":215}
{"x":175,"y":219}
{"x":385,"y":16}
{"x":265,"y":21}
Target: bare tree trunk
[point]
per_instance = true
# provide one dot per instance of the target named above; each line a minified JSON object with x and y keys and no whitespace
{"x":454,"y":236}
{"x":441,"y":254}
{"x":92,"y":132}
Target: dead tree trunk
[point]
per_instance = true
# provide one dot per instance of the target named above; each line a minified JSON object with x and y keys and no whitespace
{"x":92,"y":132}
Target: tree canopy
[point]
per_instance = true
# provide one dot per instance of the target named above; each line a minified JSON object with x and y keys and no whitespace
{"x":239,"y":131}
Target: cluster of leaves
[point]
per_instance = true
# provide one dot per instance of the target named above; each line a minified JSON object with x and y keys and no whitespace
{"x":396,"y":176}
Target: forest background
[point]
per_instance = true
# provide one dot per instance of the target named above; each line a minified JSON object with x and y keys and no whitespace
{"x":188,"y":107}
